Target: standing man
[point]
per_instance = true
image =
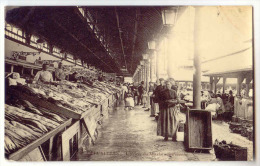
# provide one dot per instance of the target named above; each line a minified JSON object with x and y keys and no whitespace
{"x":59,"y":73}
{"x":135,"y":92}
{"x":141,"y":92}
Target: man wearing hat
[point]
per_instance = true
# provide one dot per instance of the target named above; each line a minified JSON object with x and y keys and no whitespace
{"x":140,"y":93}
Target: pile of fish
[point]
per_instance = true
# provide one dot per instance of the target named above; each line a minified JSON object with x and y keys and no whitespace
{"x":243,"y":128}
{"x":24,"y":126}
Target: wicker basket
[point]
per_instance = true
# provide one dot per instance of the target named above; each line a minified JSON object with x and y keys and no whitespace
{"x":230,"y":152}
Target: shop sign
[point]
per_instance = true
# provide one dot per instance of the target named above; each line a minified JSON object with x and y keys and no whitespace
{"x":22,"y":55}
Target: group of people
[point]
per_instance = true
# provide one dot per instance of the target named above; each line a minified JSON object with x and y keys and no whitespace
{"x":134,"y":95}
{"x":220,"y":105}
{"x":163,"y":99}
{"x":45,"y":76}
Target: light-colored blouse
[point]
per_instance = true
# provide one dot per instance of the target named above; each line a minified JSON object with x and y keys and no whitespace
{"x":43,"y":76}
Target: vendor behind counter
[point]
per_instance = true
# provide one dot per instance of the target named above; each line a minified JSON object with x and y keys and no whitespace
{"x":59,"y":73}
{"x":44,"y":75}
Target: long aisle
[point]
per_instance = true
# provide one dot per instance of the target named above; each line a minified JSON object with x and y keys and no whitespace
{"x":130,"y":135}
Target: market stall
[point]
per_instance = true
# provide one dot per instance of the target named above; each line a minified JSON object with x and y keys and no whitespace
{"x":40,"y":117}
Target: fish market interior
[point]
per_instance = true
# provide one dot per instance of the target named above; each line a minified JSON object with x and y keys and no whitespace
{"x":129,"y":83}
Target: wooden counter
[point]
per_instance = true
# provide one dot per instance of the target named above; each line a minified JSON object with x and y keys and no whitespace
{"x":30,"y":147}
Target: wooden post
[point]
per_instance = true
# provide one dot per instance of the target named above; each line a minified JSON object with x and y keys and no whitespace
{"x":216,"y":79}
{"x":138,"y":76}
{"x":170,"y":64}
{"x":140,"y":72}
{"x":240,"y":79}
{"x":211,"y":83}
{"x":224,"y":84}
{"x":22,"y":70}
{"x":158,"y":65}
{"x":197,"y":62}
{"x":32,"y":72}
{"x":142,"y":79}
{"x":155,"y":66}
{"x":148,"y":74}
{"x":12,"y":68}
{"x":152,"y":66}
{"x":165,"y":57}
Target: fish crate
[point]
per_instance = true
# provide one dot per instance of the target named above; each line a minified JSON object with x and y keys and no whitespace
{"x":230,"y":152}
{"x":39,"y":102}
{"x":198,"y":130}
{"x":19,"y":155}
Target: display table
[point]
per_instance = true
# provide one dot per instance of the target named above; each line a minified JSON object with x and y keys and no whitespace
{"x":81,"y":124}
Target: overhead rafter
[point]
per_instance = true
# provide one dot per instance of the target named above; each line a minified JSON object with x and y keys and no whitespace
{"x":83,"y":45}
{"x":137,"y":12}
{"x":95,"y":24}
{"x":120,"y":36}
{"x":27,"y":17}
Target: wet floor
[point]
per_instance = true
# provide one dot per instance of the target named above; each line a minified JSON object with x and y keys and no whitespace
{"x":130,"y":135}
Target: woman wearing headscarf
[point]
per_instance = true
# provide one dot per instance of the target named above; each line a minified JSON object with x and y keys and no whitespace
{"x":157,"y":93}
{"x":168,"y":117}
{"x":174,"y":86}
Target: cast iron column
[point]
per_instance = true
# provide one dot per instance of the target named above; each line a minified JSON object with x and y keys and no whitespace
{"x":197,"y":62}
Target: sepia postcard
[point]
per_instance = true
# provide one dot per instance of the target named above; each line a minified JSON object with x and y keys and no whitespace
{"x":129,"y":83}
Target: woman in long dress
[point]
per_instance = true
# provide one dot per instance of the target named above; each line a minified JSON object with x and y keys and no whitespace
{"x":168,"y":117}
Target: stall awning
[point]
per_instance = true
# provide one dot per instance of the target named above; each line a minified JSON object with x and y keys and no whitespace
{"x":230,"y":65}
{"x":230,"y":73}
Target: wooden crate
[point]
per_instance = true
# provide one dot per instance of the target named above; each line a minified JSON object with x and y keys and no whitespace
{"x":34,"y":155}
{"x":30,"y":147}
{"x":198,"y":130}
{"x":68,"y":137}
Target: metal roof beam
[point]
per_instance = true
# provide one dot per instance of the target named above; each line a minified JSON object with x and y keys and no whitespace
{"x":120,"y":36}
{"x":83,"y":45}
{"x":137,"y":12}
